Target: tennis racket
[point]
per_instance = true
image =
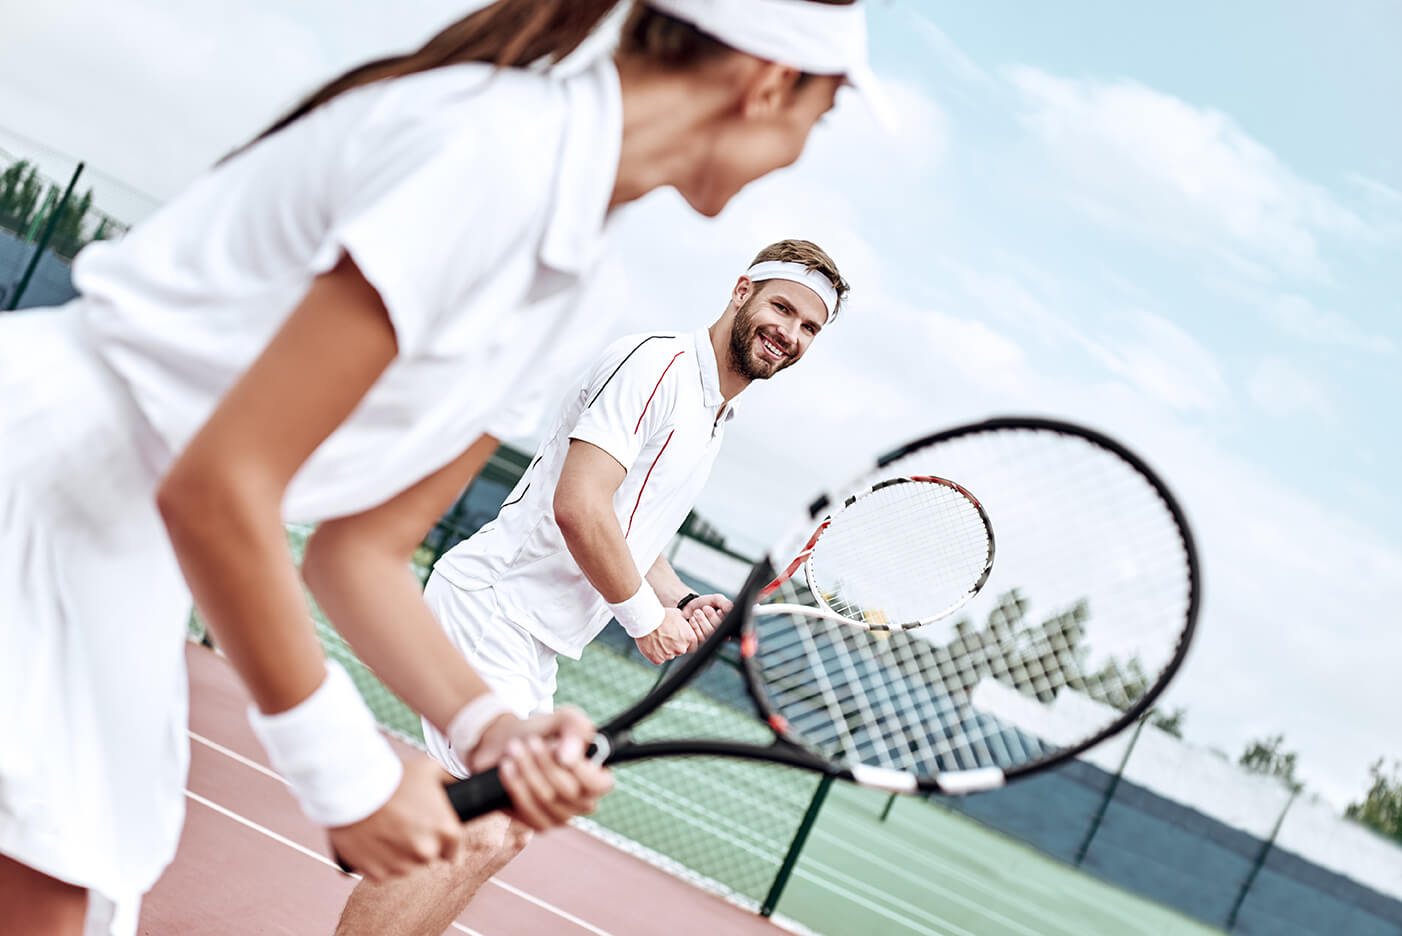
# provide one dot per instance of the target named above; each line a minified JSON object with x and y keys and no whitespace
{"x":897,"y":554}
{"x":1074,"y":634}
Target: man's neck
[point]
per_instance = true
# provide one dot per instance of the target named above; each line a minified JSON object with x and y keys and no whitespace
{"x":731,"y":380}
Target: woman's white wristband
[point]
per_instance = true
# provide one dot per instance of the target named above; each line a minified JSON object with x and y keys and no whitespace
{"x":640,"y":615}
{"x":470,"y":723}
{"x":328,"y":748}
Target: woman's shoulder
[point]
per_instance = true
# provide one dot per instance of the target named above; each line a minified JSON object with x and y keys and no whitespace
{"x":474,"y":91}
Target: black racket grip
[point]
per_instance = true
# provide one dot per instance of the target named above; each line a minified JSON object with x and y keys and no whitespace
{"x":478,"y":795}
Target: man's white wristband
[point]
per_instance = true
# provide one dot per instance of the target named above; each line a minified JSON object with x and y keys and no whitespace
{"x":640,"y":615}
{"x":328,"y":748}
{"x":471,"y":721}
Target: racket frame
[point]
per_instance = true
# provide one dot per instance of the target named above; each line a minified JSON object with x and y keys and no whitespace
{"x":804,"y":559}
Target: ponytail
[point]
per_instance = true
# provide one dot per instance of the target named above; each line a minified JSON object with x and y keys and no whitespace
{"x":508,"y":33}
{"x":519,"y":33}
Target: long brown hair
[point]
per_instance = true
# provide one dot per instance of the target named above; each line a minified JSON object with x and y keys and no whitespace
{"x":519,"y":33}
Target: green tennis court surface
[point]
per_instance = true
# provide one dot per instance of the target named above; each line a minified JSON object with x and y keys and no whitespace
{"x":931,"y":872}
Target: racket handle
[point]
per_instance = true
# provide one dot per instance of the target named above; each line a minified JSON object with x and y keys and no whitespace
{"x":478,"y":795}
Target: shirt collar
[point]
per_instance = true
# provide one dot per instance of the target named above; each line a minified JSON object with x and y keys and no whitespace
{"x":709,"y":372}
{"x":588,"y":168}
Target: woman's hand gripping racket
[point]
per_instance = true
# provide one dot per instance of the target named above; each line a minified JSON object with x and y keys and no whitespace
{"x":1081,"y":625}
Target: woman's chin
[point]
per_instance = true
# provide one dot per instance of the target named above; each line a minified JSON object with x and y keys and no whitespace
{"x":707,"y":204}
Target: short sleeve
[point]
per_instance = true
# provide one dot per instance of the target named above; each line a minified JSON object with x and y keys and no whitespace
{"x":576,"y":343}
{"x":429,"y":207}
{"x":631,"y":397}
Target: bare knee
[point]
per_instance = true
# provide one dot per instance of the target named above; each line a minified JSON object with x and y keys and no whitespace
{"x":430,"y":899}
{"x":515,"y":839}
{"x":492,"y":841}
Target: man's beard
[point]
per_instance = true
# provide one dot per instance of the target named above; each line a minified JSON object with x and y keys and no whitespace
{"x":742,"y":341}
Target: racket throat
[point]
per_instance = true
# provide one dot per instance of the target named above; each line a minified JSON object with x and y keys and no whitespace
{"x":604,"y":744}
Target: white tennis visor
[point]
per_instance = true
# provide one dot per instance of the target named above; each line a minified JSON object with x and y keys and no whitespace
{"x":817,"y":38}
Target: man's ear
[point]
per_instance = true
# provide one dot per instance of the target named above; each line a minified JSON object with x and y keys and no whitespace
{"x":744,"y":289}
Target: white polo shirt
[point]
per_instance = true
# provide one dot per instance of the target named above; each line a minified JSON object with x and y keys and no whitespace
{"x":651,"y":401}
{"x":473,"y":199}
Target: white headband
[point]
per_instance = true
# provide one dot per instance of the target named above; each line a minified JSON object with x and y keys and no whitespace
{"x":798,"y":273}
{"x":817,"y":38}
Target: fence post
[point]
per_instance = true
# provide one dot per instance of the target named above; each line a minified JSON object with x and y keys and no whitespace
{"x":1260,"y":862}
{"x":786,"y":869}
{"x":1110,"y":791}
{"x":44,"y":239}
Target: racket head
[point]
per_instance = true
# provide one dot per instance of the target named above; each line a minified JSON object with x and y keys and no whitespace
{"x":901,"y":553}
{"x":1087,"y":617}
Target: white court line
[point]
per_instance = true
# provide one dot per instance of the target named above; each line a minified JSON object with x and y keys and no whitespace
{"x":289,"y":843}
{"x":234,"y":755}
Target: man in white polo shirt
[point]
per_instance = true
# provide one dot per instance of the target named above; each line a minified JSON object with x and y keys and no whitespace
{"x":579,"y":539}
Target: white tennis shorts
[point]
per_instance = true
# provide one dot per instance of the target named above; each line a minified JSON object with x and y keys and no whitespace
{"x":518,"y":667}
{"x":93,"y":610}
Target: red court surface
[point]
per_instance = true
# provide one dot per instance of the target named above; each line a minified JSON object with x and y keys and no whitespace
{"x":250,"y":863}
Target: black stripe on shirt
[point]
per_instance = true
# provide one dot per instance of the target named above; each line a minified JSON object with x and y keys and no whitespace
{"x":524,"y":489}
{"x":625,"y":361}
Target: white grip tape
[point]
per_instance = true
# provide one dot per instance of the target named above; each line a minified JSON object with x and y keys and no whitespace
{"x":328,"y":748}
{"x":973,"y":781}
{"x":641,"y":614}
{"x":883,"y":778}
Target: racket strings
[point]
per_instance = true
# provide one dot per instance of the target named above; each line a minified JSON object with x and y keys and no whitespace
{"x":1086,"y":610}
{"x":889,"y":703}
{"x":904,"y":553}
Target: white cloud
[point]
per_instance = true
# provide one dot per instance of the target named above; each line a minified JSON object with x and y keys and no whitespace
{"x":1294,"y":634}
{"x":1154,"y":164}
{"x":948,"y":52}
{"x":1298,"y":317}
{"x":1006,"y":296}
{"x":1163,"y":361}
{"x":151,"y":92}
{"x":1381,"y":191}
{"x":1283,"y":389}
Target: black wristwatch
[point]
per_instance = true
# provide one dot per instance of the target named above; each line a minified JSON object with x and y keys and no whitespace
{"x":683,"y":603}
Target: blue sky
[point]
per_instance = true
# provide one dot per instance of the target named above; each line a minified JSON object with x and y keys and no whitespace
{"x":1180,"y":225}
{"x":1293,"y":287}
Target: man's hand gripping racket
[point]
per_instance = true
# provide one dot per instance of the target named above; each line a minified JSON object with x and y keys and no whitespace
{"x":1081,"y":625}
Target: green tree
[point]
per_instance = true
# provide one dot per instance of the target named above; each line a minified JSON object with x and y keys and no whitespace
{"x":1265,"y":756}
{"x":1382,"y":807}
{"x":20,"y":188}
{"x":1171,"y":722}
{"x":68,"y":228}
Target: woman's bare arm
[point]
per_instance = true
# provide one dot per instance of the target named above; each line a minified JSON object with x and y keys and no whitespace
{"x":222,"y":498}
{"x":358,"y":569}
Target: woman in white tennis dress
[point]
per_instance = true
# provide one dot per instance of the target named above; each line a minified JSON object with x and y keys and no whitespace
{"x":319,"y":329}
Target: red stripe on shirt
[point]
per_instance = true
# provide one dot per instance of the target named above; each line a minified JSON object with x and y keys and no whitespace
{"x":654,"y":392}
{"x":649,"y":475}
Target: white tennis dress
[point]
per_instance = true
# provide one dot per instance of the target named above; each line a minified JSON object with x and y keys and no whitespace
{"x":475,"y":202}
